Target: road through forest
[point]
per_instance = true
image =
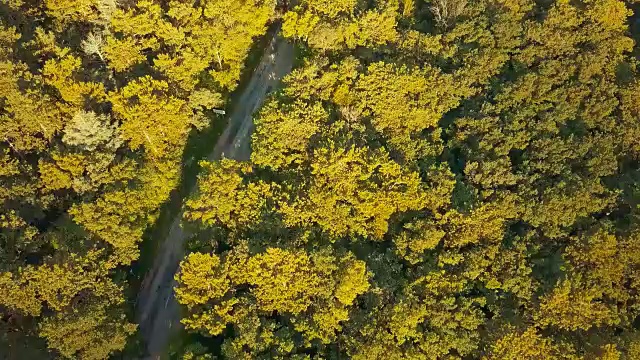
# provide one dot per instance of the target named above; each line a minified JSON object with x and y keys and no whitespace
{"x":157,"y":311}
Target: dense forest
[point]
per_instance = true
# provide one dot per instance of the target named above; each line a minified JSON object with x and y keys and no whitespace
{"x":446,"y":179}
{"x":97,"y":99}
{"x":437,"y":180}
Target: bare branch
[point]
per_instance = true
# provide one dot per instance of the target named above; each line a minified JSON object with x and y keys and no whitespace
{"x":93,"y":45}
{"x":445,"y":12}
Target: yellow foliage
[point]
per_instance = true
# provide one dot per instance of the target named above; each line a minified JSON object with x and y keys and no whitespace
{"x":55,"y":284}
{"x":609,"y":352}
{"x":202,"y":279}
{"x":60,"y":74}
{"x":283,"y":135}
{"x":569,"y":307}
{"x":353,"y":281}
{"x":122,"y":54}
{"x":483,"y":224}
{"x":155,"y":119}
{"x":30,"y":118}
{"x":610,"y":15}
{"x":66,"y":11}
{"x":403,"y":102}
{"x":315,"y":289}
{"x":563,"y":204}
{"x":183,"y":69}
{"x":214,"y":320}
{"x":19,"y":294}
{"x":53,"y":178}
{"x":284,"y":281}
{"x":224,"y":199}
{"x":88,"y":332}
{"x":337,"y":24}
{"x":103,"y":216}
{"x":527,"y":345}
{"x":354,"y":192}
{"x":417,"y":238}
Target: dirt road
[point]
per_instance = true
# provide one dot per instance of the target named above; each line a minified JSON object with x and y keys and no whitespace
{"x":157,"y":311}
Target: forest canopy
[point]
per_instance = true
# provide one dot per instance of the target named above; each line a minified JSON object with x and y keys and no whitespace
{"x":97,"y":100}
{"x":436,"y":180}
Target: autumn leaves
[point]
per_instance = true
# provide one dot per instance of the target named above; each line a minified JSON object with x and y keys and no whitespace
{"x":477,"y":159}
{"x":435,"y":180}
{"x":97,"y":99}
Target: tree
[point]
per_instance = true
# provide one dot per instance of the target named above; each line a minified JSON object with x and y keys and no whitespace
{"x":478,"y":158}
{"x":445,"y":12}
{"x":89,"y":130}
{"x":97,"y":99}
{"x":339,"y":24}
{"x":30,"y":117}
{"x":88,"y":331}
{"x":354,"y":192}
{"x":283,"y":136}
{"x":223,"y":198}
{"x":528,"y":344}
{"x":403,"y":103}
{"x":156,"y":119}
{"x":313,"y":291}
